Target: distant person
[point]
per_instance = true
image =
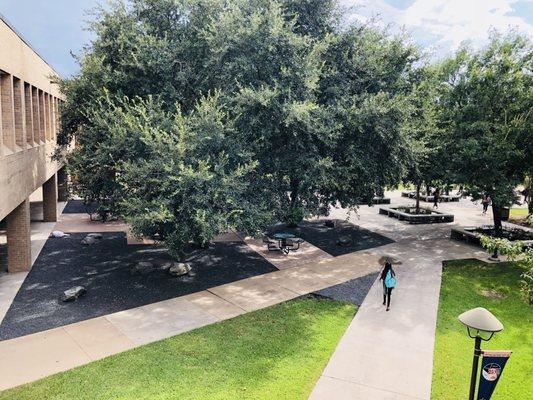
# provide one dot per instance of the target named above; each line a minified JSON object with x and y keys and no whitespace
{"x":525,"y":193}
{"x":389,"y":283}
{"x":436,"y":198}
{"x":486,"y":202}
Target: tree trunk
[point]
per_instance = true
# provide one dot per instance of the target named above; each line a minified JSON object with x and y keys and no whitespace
{"x":294,"y":192}
{"x":293,"y":218}
{"x":418,"y":198}
{"x":497,"y":216}
{"x":530,"y":196}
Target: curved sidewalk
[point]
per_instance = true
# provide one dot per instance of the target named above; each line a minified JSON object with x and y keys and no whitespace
{"x":389,"y":355}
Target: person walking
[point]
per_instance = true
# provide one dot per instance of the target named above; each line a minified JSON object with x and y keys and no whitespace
{"x":389,"y":283}
{"x":486,"y":202}
{"x":436,"y":198}
{"x":525,"y":193}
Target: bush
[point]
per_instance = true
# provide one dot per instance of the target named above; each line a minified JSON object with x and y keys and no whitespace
{"x":526,"y":285}
{"x":294,"y":216}
{"x":515,"y":251}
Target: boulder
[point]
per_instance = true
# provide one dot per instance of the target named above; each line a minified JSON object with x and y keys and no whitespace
{"x":98,"y":236}
{"x":59,"y":234}
{"x":179,"y":269}
{"x":92,"y":238}
{"x":142,"y":268}
{"x":344,"y":241}
{"x":73,"y":293}
{"x":88,"y":240}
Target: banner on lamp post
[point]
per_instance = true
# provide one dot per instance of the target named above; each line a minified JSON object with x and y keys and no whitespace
{"x":492,"y":366}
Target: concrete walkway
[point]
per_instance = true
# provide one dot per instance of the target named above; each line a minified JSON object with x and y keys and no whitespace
{"x":389,"y":355}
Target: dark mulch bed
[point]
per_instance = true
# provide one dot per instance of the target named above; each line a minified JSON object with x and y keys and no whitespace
{"x":353,"y":291}
{"x":325,"y":238}
{"x":104,"y":269}
{"x":78,"y":207}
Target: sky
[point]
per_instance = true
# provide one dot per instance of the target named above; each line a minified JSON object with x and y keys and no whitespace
{"x":55,"y":28}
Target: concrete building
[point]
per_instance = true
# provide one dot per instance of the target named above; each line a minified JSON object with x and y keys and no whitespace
{"x":29,"y":123}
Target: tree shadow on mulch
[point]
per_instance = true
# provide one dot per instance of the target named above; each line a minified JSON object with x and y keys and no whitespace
{"x":104,"y":269}
{"x":79,"y":207}
{"x":326,"y":238}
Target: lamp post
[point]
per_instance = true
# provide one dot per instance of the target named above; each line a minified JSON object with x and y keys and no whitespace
{"x":476,"y":321}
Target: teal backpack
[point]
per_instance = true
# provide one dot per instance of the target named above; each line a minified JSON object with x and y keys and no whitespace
{"x":390,"y":281}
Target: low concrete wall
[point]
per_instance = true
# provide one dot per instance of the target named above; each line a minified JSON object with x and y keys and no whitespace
{"x":465,"y":234}
{"x":434,"y":217}
{"x":380,"y":200}
{"x":445,"y":198}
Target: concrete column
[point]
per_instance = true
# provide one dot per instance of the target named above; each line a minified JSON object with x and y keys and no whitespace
{"x":36,"y":115}
{"x":62,"y":184}
{"x":19,"y":238}
{"x":28,"y":113}
{"x":8,"y":114}
{"x":20,"y":116}
{"x":42,"y":131}
{"x":50,"y":199}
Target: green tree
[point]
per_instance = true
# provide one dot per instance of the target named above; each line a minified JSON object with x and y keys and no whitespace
{"x":428,"y":157}
{"x":316,"y":18}
{"x":364,"y":89}
{"x":305,"y":114}
{"x":269,"y":75}
{"x":196,"y":182}
{"x":485,"y":104}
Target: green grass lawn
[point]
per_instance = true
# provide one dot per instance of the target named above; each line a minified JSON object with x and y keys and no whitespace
{"x":518,"y":212}
{"x":467,"y":284}
{"x":275,"y":353}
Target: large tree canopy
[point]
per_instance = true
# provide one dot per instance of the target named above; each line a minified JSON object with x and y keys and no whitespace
{"x":196,"y":116}
{"x":428,"y":154}
{"x":485,"y":106}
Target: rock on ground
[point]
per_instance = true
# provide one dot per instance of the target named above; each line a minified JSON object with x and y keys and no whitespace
{"x":73,"y":293}
{"x":92,"y":238}
{"x":344,"y":241}
{"x":58,"y":234}
{"x":179,"y":269}
{"x":142,"y":268}
{"x":87,"y":241}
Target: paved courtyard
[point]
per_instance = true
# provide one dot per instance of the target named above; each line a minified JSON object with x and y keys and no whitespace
{"x":373,"y":347}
